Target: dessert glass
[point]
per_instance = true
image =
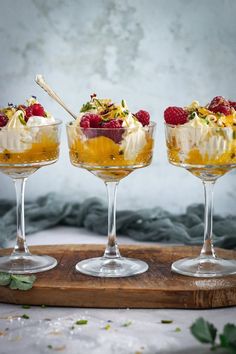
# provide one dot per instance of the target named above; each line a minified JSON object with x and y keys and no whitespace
{"x":98,"y":151}
{"x":208,"y":153}
{"x":29,"y":149}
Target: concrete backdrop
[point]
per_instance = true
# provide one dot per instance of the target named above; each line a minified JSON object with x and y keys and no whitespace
{"x":153,"y":53}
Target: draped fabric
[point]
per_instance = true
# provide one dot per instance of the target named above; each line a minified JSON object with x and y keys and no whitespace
{"x":155,"y":224}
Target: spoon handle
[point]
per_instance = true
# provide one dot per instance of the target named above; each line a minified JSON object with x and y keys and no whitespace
{"x":41,"y":82}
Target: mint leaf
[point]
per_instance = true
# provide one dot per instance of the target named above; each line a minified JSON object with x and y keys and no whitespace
{"x":22,"y":282}
{"x":204,"y":331}
{"x":86,"y":107}
{"x":5,"y":279}
{"x":228,"y":337}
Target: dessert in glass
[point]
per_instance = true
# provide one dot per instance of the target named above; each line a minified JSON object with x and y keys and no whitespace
{"x":202,"y":139}
{"x":111,"y":142}
{"x":29,"y":139}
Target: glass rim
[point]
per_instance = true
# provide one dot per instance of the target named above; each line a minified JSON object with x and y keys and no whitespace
{"x":152,"y":124}
{"x":183,"y":126}
{"x":56,"y":123}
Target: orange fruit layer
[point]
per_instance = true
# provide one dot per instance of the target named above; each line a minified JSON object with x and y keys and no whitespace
{"x":102,"y":151}
{"x":196,"y":158}
{"x":45,"y":150}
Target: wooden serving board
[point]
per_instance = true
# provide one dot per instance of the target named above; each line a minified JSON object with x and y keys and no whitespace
{"x":157,"y":288}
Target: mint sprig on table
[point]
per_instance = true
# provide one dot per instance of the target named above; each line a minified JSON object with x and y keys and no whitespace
{"x":17,"y":281}
{"x":206,"y":333}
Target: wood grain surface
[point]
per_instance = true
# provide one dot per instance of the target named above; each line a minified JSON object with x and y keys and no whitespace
{"x":157,"y":288}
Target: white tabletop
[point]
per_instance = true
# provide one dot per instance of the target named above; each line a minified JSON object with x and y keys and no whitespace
{"x":49,"y":330}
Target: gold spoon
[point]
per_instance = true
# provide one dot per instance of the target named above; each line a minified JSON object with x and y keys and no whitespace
{"x":41,"y":82}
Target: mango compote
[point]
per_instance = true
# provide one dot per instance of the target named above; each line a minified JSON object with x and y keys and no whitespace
{"x":28,"y":135}
{"x":202,"y":136}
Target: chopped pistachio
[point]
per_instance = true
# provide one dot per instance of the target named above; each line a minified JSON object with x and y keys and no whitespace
{"x":166,"y":321}
{"x":177,"y":329}
{"x":26,"y":317}
{"x":81,"y":322}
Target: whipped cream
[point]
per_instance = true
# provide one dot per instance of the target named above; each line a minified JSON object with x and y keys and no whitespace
{"x":18,"y":137}
{"x":38,"y":121}
{"x":134,"y":138}
{"x":209,"y":140}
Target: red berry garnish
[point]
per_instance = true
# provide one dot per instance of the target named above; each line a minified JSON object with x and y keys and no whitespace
{"x":114,"y":123}
{"x":3,"y":120}
{"x":226,"y":110}
{"x":220,"y":105}
{"x":113,"y":130}
{"x":232,"y":104}
{"x":143,"y":117}
{"x":175,"y":115}
{"x":28,"y":113}
{"x":35,"y":109}
{"x":90,"y":120}
{"x":218,"y":100}
{"x":38,"y":110}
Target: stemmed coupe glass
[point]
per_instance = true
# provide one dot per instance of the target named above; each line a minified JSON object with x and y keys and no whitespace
{"x":208,"y":153}
{"x":31,"y":149}
{"x":98,"y":151}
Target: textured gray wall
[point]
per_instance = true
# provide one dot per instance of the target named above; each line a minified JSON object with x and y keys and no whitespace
{"x":154,"y":53}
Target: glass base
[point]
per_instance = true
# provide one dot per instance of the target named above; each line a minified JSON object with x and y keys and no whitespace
{"x":26,"y":264}
{"x":111,"y":268}
{"x":207,"y":267}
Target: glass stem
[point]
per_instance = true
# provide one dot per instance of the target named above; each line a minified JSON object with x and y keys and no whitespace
{"x":21,"y":247}
{"x":112,"y":250}
{"x":208,"y":248}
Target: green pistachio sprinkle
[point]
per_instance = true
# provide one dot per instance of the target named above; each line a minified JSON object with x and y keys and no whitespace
{"x":177,"y":329}
{"x":107,"y":327}
{"x":127,"y":324}
{"x":26,"y":317}
{"x":166,"y":321}
{"x":81,"y":322}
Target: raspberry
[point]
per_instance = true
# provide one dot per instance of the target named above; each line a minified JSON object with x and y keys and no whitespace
{"x":113,"y":130}
{"x":28,"y":113}
{"x":218,"y":100}
{"x":175,"y":115}
{"x":90,"y":120}
{"x":226,"y":110}
{"x":232,"y":104}
{"x":220,"y":105}
{"x":3,"y":120}
{"x":35,"y":109}
{"x":38,"y":110}
{"x":143,"y":117}
{"x":113,"y":124}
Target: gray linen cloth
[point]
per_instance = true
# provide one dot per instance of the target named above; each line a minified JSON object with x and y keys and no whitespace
{"x":153,"y":224}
